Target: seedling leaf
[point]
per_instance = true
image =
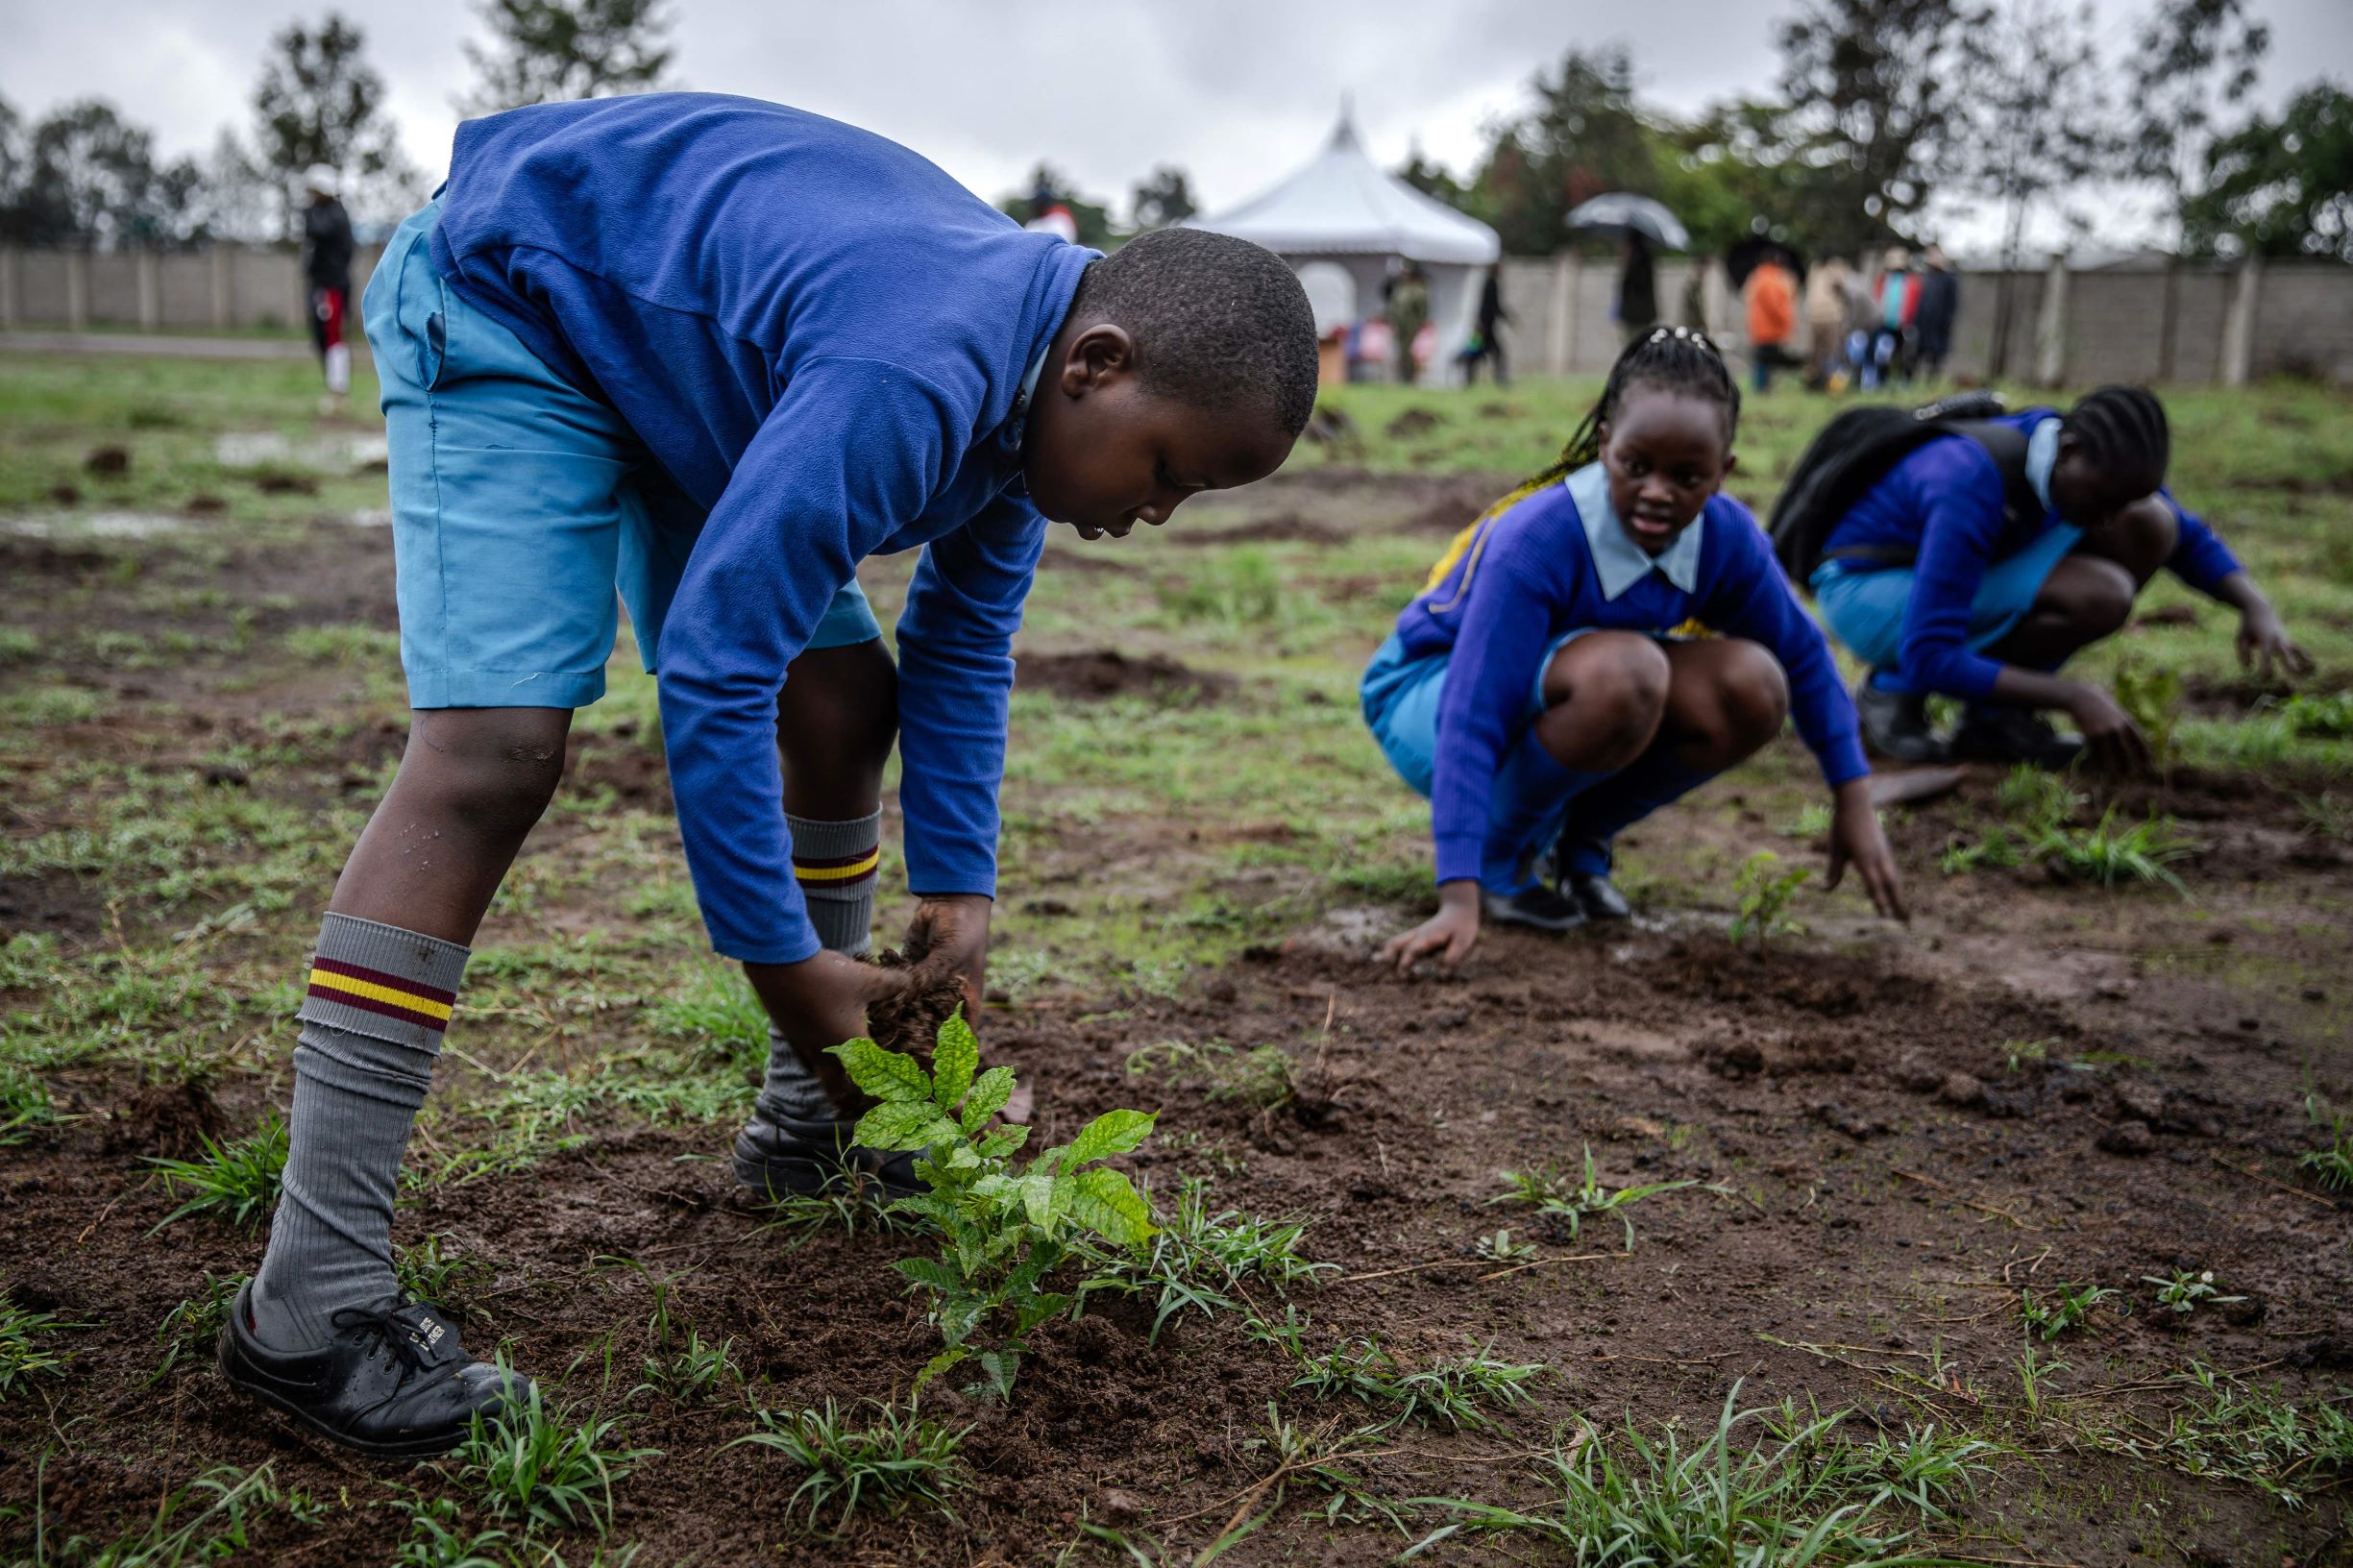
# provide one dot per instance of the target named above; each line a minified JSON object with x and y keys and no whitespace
{"x":1114,"y":1132}
{"x":1106,"y":1204}
{"x":954,"y":1058}
{"x":892,"y":1077}
{"x":906,"y":1125}
{"x":989,"y":1092}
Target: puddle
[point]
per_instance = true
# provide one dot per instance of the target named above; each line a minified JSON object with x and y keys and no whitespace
{"x":93,"y":525}
{"x":275,"y":449}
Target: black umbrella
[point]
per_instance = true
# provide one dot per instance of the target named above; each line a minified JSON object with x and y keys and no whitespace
{"x":1622,"y":213}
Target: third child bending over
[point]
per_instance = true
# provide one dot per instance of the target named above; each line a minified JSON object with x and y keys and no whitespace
{"x":1604,"y":640}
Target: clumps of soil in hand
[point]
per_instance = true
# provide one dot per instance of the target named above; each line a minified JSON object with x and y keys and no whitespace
{"x":109,"y":462}
{"x":1103,"y":672}
{"x":910,"y":1020}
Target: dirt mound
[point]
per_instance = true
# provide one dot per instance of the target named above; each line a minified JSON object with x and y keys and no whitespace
{"x":1455,"y":504}
{"x":1284,"y":527}
{"x":1411,"y":423}
{"x":1103,"y":672}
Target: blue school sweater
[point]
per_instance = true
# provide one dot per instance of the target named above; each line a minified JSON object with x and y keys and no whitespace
{"x":821,"y":337}
{"x":1523,"y":578}
{"x":1943,"y":503}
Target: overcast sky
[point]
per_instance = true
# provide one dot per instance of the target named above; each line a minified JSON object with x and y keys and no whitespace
{"x":1238,"y":92}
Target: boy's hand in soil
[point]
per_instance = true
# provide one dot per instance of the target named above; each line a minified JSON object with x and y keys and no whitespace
{"x":2265,"y":645}
{"x":950,"y":936}
{"x":1855,"y":837}
{"x":2110,"y":739}
{"x":1451,"y":933}
{"x":819,"y":1003}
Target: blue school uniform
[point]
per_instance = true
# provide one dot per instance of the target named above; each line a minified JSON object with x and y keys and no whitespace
{"x":1925,"y":626}
{"x":1453,"y":693}
{"x":715,"y":352}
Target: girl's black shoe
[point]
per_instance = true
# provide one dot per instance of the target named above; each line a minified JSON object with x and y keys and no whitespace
{"x":1597,"y":896}
{"x":393,"y":1383}
{"x":1540,"y":907}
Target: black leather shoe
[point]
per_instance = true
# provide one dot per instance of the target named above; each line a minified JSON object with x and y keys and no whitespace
{"x":1896,"y":724}
{"x":2009,"y":735}
{"x":1597,"y":896}
{"x":1539,"y":907}
{"x":779,"y":1155}
{"x":393,"y":1384}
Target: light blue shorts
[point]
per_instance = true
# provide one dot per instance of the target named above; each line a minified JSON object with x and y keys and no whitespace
{"x":1865,"y":606}
{"x":519,"y":507}
{"x":1400,"y":697}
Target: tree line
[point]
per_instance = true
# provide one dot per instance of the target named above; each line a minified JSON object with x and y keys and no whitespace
{"x":1880,"y":109}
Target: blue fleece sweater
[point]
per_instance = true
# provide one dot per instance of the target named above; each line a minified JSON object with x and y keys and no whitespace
{"x":1943,"y":503}
{"x":1528,"y":576}
{"x":822,"y":337}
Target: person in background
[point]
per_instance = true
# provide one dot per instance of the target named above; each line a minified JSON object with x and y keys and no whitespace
{"x":1940,"y":302}
{"x":1488,"y":341}
{"x":1897,"y":294}
{"x":1862,"y":327}
{"x":1638,"y":288}
{"x":326,"y":272}
{"x":1409,"y":314}
{"x":1825,"y":323}
{"x":1047,"y":215}
{"x":1773,"y":318}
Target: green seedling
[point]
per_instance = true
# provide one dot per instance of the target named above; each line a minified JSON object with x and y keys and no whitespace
{"x":2150,"y":695}
{"x":1500,"y":1249}
{"x":1765,"y":893}
{"x":897,"y":1458}
{"x":1552,"y":1192}
{"x":2323,"y":717}
{"x":2068,"y":1306}
{"x":427,"y":1272}
{"x":2035,"y":1370}
{"x":530,"y":1464}
{"x":681,"y":1367}
{"x":1996,"y":848}
{"x":237,"y":1179}
{"x":2108,"y":854}
{"x":2224,"y":1426}
{"x":2182,"y":1292}
{"x":1004,"y":1231}
{"x":2017,"y":1053}
{"x":2329,"y":815}
{"x":209,"y":1520}
{"x":191,"y":1328}
{"x":1802,"y":1497}
{"x":1812,"y":823}
{"x":1200,"y":1261}
{"x":436,"y":1539}
{"x":2036,"y":801}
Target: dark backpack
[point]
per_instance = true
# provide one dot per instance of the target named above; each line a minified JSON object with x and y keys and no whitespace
{"x":1854,"y":452}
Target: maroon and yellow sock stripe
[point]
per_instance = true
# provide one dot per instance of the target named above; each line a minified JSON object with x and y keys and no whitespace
{"x":373,"y":991}
{"x":837,"y":871}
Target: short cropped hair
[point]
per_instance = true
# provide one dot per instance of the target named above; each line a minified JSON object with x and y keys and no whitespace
{"x":2124,"y":430}
{"x":1218,"y":321}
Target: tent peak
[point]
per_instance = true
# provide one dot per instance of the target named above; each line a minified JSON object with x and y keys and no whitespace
{"x":1344,"y":133}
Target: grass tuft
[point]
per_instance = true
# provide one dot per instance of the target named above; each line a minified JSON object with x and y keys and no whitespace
{"x":237,"y":1179}
{"x":897,"y":1458}
{"x":530,"y":1464}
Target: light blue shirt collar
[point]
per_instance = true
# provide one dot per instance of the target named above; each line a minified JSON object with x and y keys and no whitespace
{"x":1015,"y":429}
{"x":1617,"y":560}
{"x":2042,"y":456}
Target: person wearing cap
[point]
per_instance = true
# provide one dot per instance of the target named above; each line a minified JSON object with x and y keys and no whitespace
{"x":327,"y":272}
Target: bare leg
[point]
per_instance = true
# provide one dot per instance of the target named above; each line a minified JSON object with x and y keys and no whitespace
{"x":1604,"y":694}
{"x":2089,"y":595}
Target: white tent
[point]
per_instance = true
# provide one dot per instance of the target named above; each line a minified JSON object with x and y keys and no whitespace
{"x":1342,"y":223}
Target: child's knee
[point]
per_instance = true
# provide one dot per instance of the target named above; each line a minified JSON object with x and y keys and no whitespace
{"x":1606,"y":704}
{"x":490,"y":771}
{"x":1755,"y":695}
{"x":2099,"y":597}
{"x":2150,"y":530}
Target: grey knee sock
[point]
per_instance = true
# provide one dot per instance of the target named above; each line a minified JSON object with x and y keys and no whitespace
{"x":378,"y":1001}
{"x":835,"y":865}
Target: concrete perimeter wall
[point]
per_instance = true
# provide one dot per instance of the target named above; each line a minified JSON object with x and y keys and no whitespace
{"x":2227,"y":325}
{"x":215,"y":287}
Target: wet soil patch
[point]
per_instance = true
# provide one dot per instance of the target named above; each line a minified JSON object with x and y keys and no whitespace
{"x":1097,"y":674}
{"x":1411,"y":423}
{"x":1284,"y":527}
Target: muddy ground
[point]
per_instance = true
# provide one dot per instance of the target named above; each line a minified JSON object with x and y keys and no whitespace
{"x":2037,"y":1082}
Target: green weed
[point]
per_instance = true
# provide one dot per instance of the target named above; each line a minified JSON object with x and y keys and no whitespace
{"x":528,"y":1464}
{"x":2333,"y":1163}
{"x":1004,"y":1231}
{"x":2328,"y":815}
{"x":897,"y":1458}
{"x":715,"y":1006}
{"x":2144,"y":852}
{"x":2017,"y":1053}
{"x":237,"y":1179}
{"x":25,"y":1349}
{"x":1454,"y":1393}
{"x":2313,"y":715}
{"x":1555,"y":1194}
{"x":2227,"y":1428}
{"x":2182,"y":1292}
{"x":1801,"y":1497}
{"x":2037,"y":800}
{"x":209,"y":1520}
{"x":428,"y":1272}
{"x":1232,"y":590}
{"x":682,"y":1366}
{"x":25,"y":1104}
{"x":2067,"y":1308}
{"x":191,"y":1328}
{"x":1262,"y":1078}
{"x":2150,"y":695}
{"x":1500,"y":1249}
{"x":1020,"y":974}
{"x":1202,"y":1261}
{"x":436,"y":1539}
{"x":1765,"y":893}
{"x":1812,"y":823}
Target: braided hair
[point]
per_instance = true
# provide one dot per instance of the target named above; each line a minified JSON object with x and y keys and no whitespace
{"x":2122,"y":429}
{"x":1680,"y":358}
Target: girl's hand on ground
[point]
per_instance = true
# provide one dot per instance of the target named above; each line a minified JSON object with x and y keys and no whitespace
{"x":1451,"y":933}
{"x":819,"y":1003}
{"x":2265,"y":645}
{"x":1855,"y":837}
{"x":2114,"y":741}
{"x":949,"y":935}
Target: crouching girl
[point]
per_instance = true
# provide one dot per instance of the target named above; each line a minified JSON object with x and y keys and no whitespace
{"x":1547,"y":688}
